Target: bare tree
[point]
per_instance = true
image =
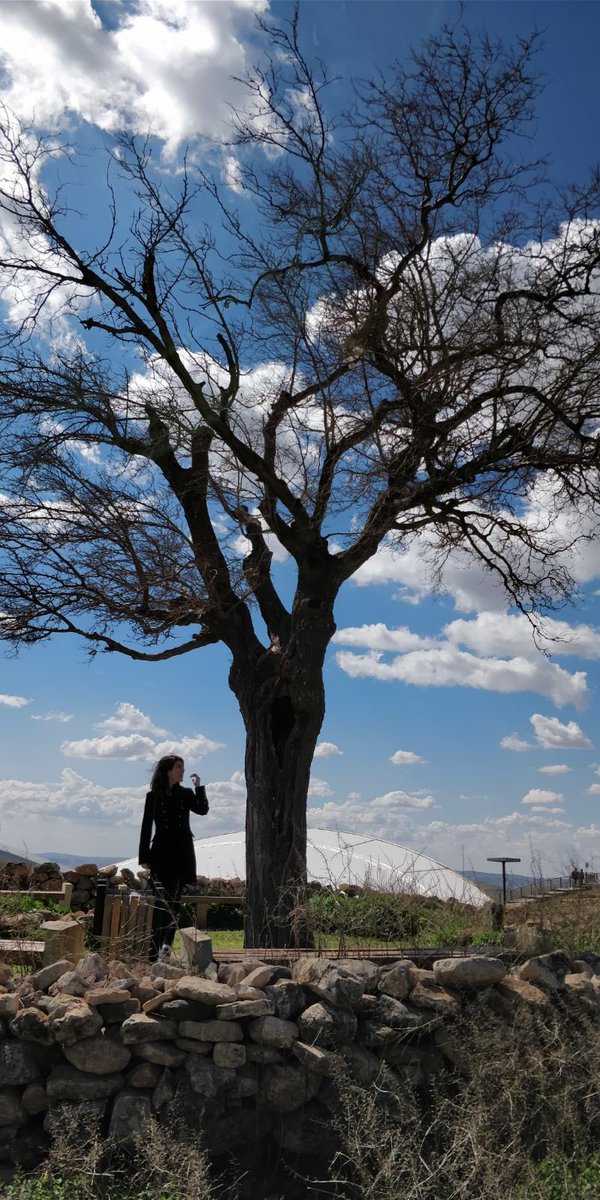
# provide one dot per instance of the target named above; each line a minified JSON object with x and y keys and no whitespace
{"x":392,"y":331}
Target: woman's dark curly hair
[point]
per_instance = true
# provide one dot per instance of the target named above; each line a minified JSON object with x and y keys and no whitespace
{"x":159,"y":781}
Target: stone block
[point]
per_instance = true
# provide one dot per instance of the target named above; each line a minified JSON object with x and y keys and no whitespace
{"x":203,"y":991}
{"x":476,"y":971}
{"x":62,"y":939}
{"x":140,"y":1028}
{"x":229,"y":1054}
{"x":99,"y":1055}
{"x":196,"y":949}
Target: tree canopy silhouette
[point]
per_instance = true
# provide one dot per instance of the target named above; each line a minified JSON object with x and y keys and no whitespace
{"x":386,"y":325}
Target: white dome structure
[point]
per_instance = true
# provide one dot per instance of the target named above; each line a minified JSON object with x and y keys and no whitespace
{"x":334,"y":858}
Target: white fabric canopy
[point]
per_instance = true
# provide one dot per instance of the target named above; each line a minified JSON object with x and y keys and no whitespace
{"x":334,"y":857}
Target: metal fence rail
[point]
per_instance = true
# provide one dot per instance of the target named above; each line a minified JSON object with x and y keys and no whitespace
{"x":542,"y":887}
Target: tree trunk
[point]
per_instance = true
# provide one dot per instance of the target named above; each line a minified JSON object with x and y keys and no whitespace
{"x":283,"y":704}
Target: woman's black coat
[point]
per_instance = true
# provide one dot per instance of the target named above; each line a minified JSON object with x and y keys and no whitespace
{"x":170,"y":853}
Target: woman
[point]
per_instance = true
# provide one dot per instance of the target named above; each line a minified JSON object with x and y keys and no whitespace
{"x":169,"y":855}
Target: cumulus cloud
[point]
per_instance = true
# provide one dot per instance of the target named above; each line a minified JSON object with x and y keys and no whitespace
{"x":13,"y":701}
{"x":554,"y":769}
{"x":447,"y":666}
{"x":594,"y":789}
{"x":405,"y":758}
{"x":553,"y":735}
{"x":541,"y":796}
{"x":319,"y":787}
{"x":127,"y":716}
{"x":512,"y":741}
{"x":326,"y":750}
{"x":135,"y":746}
{"x":62,"y":718}
{"x":402,"y":800}
{"x":71,"y":796}
{"x":170,"y":68}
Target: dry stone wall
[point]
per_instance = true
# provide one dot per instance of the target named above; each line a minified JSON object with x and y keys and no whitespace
{"x":245,"y":1050}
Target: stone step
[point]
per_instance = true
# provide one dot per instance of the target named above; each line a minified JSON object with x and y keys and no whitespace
{"x":21,"y":951}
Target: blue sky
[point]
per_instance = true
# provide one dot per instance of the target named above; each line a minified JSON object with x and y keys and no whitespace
{"x":446,"y":729}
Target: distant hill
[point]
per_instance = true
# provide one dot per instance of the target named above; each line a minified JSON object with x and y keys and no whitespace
{"x":493,"y":879}
{"x":67,"y":861}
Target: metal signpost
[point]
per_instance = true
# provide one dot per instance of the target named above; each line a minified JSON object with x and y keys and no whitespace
{"x":504,"y":862}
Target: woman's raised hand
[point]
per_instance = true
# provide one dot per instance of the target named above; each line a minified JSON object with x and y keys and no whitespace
{"x":195,"y":779}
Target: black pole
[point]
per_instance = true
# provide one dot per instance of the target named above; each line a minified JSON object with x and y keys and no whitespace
{"x":504,"y":862}
{"x":101,"y":887}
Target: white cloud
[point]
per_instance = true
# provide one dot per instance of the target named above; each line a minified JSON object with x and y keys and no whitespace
{"x":503,"y":634}
{"x":72,"y":796}
{"x":136,"y":746}
{"x":402,"y":800}
{"x":553,"y":735}
{"x":512,"y":741}
{"x":594,"y":789}
{"x":127,"y":716}
{"x":62,"y":718}
{"x":446,"y":666}
{"x":554,"y":769}
{"x":405,"y":758}
{"x":13,"y":701}
{"x":165,"y":67}
{"x":318,"y":787}
{"x":326,"y":750}
{"x":540,"y":796}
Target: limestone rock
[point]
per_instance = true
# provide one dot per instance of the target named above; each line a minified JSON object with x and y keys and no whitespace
{"x":399,"y":980}
{"x":244,"y":1008}
{"x":92,"y":967}
{"x":363,"y":969}
{"x":329,"y":981}
{"x":207,"y":1079}
{"x":46,"y":976}
{"x":9,"y":1006}
{"x":427,"y":993}
{"x":324,"y":1025}
{"x":131,"y":1115}
{"x":322,"y":1062}
{"x":203,"y":991}
{"x":194,"y":1047}
{"x":476,"y":971}
{"x":184,"y":1010}
{"x":35,"y":1099}
{"x":100,"y":1055}
{"x":512,"y":989}
{"x":32,"y":1025}
{"x":285,"y":1088}
{"x":264,"y":1054}
{"x":272,"y":1031}
{"x":106,"y":995}
{"x":260,"y":976}
{"x":5,"y":972}
{"x":80,"y":1021}
{"x":115,"y":1014}
{"x":166,"y":1054}
{"x":70,"y":984}
{"x":229,"y":1054}
{"x":20,"y":1063}
{"x":12,"y":1111}
{"x":143,"y":1075}
{"x":288,"y":998}
{"x":140,"y":1028}
{"x":67,"y":1083}
{"x":166,"y":970}
{"x":232,"y":973}
{"x":164,"y":1091}
{"x":212,"y":1031}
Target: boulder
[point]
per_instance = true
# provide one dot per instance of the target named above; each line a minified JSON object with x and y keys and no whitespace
{"x":229,"y":1054}
{"x":141,"y":1028}
{"x":67,"y":1083}
{"x":32,"y":1025}
{"x":46,"y":976}
{"x":207,"y":1079}
{"x":272,"y":1031}
{"x":12,"y":1111}
{"x":35,"y":1099}
{"x":429,"y":994}
{"x":131,"y":1115}
{"x":144,"y":1075}
{"x":288,"y":998}
{"x":244,"y":1008}
{"x":99,"y":1055}
{"x":9,"y":1006}
{"x":165,"y":1054}
{"x":476,"y":971}
{"x":399,"y":980}
{"x":330,"y":982}
{"x":285,"y":1088}
{"x":79,"y":1021}
{"x":212,"y":1031}
{"x":203,"y":991}
{"x":324,"y":1025}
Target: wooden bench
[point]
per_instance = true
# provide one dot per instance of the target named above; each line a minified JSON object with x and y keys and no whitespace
{"x":200,"y":905}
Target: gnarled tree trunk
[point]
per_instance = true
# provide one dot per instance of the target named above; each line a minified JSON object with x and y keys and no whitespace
{"x":282,"y":703}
